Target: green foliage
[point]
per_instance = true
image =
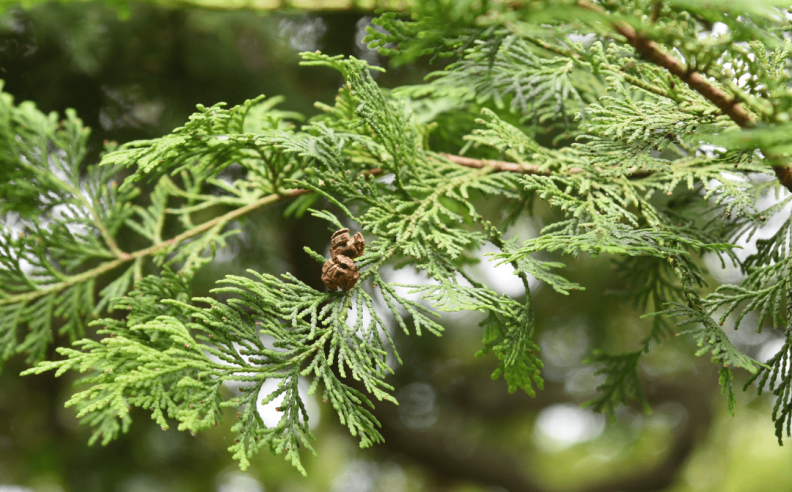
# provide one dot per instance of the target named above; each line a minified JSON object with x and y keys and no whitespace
{"x":441,"y":28}
{"x":510,"y":339}
{"x":777,"y":377}
{"x":509,"y":73}
{"x":711,"y":338}
{"x":62,"y":217}
{"x":621,"y":382}
{"x":58,"y":218}
{"x":172,"y":358}
{"x":622,"y":133}
{"x":212,"y":139}
{"x":768,"y":283}
{"x":636,"y":179}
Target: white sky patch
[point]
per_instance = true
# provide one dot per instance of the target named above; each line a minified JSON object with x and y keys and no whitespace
{"x":501,"y":279}
{"x":709,"y":150}
{"x":362,"y":50}
{"x":718,"y":29}
{"x":387,"y":178}
{"x":304,"y":33}
{"x":27,"y":268}
{"x":731,"y":274}
{"x":381,"y":310}
{"x":559,"y":427}
{"x":745,"y":337}
{"x":13,"y":226}
{"x":766,"y":352}
{"x":679,"y":55}
{"x":769,"y":349}
{"x":406,"y":275}
{"x":67,"y":214}
{"x":232,"y":385}
{"x":12,"y":223}
{"x":585,"y":39}
{"x":744,"y":79}
{"x":271,"y":416}
{"x":56,"y":161}
{"x":268,"y":414}
{"x":409,"y":275}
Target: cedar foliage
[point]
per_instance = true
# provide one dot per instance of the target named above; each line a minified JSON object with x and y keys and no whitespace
{"x":669,"y":133}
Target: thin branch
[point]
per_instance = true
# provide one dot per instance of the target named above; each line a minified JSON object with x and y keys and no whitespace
{"x":106,"y":236}
{"x":77,"y":193}
{"x":222,"y":219}
{"x":152,"y":250}
{"x":501,"y":166}
{"x":698,"y":82}
{"x":728,"y":104}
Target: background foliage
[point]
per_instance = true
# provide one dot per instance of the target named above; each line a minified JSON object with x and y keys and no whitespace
{"x":140,"y":77}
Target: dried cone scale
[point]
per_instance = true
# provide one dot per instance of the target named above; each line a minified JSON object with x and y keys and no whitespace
{"x":340,"y":270}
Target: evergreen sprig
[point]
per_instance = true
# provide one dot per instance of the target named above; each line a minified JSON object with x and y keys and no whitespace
{"x":776,"y":376}
{"x":621,"y":384}
{"x":62,"y":216}
{"x":56,"y":221}
{"x":711,"y":338}
{"x":510,"y":74}
{"x":636,"y":179}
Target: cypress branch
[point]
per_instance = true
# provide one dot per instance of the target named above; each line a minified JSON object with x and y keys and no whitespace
{"x":636,"y":165}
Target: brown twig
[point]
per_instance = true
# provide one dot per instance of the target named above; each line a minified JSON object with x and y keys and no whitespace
{"x":728,"y":104}
{"x":124,"y":258}
{"x":502,"y":166}
{"x":151,"y":250}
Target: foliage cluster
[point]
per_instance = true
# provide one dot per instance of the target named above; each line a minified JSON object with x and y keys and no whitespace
{"x":670,"y":121}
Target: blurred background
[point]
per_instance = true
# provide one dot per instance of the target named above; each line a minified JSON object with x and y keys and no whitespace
{"x":138,"y":74}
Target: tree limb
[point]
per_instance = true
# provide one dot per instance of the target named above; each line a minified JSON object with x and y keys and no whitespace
{"x":729,"y":105}
{"x":151,"y":250}
{"x":123,"y":257}
{"x":501,"y":166}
